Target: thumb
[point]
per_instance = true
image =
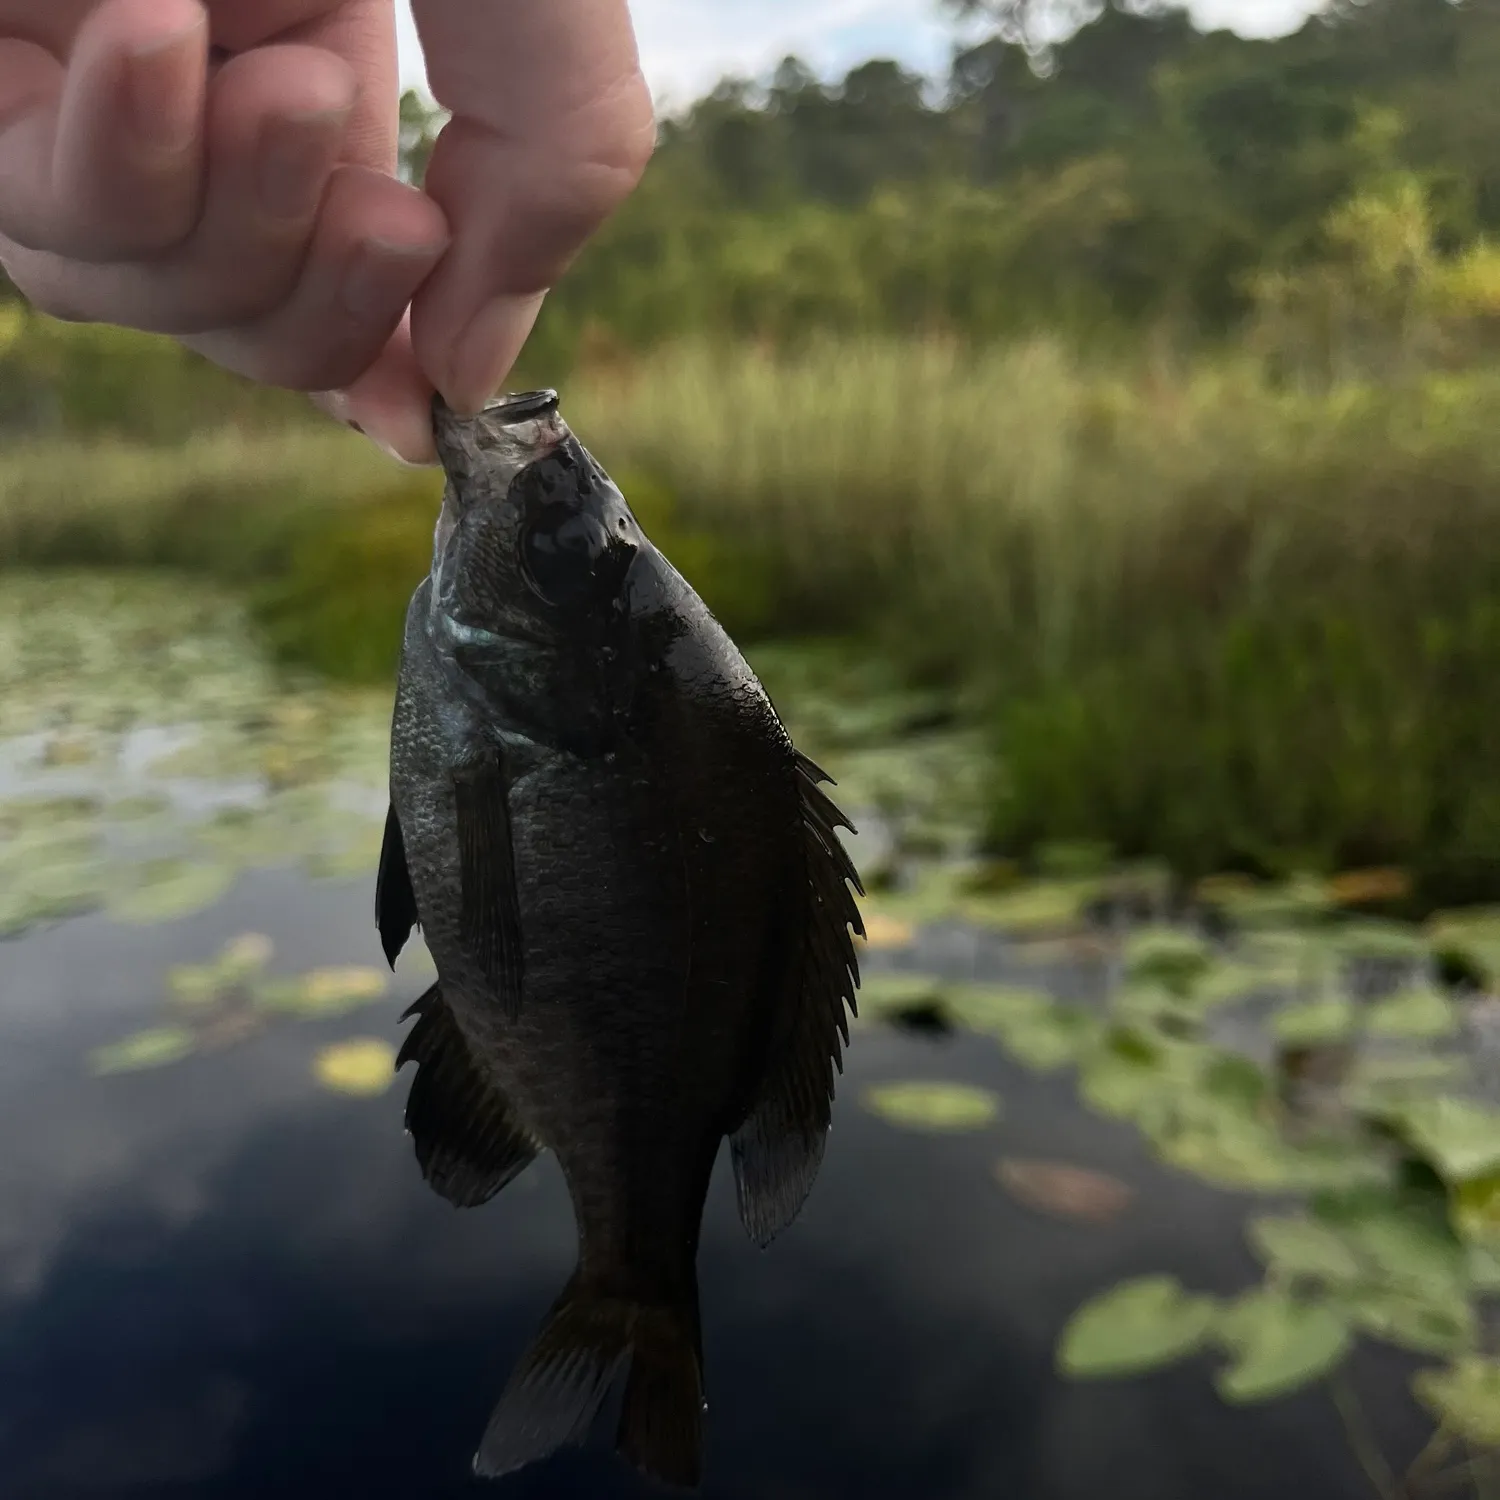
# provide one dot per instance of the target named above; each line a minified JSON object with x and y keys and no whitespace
{"x":552,"y":128}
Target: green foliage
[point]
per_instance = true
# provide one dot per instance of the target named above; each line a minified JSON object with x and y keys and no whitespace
{"x":1154,"y":174}
{"x":1222,"y":624}
{"x":340,"y":604}
{"x":1133,"y":1328}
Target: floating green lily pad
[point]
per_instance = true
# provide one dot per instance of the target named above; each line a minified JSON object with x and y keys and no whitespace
{"x":1460,"y":1137}
{"x":1465,"y":1398}
{"x":324,"y":992}
{"x":1167,"y":956}
{"x":165,"y":889}
{"x":1280,"y":1344}
{"x":364,"y":1067}
{"x":1416,"y":1013}
{"x":1135,"y":1327}
{"x":1315,"y":1022}
{"x":146,"y":1049}
{"x":1475,"y":1209}
{"x":942,"y":1107}
{"x":1439,"y":1323}
{"x":1302,"y":1248}
{"x":881,"y":993}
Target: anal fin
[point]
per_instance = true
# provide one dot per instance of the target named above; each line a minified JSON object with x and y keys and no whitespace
{"x":490,"y":917}
{"x":469,"y":1143}
{"x":778,"y":1148}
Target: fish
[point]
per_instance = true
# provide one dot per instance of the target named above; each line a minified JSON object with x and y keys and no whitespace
{"x":632,"y":887}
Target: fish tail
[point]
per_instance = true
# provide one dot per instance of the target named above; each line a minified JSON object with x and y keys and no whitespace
{"x":661,"y":1418}
{"x":557,"y":1389}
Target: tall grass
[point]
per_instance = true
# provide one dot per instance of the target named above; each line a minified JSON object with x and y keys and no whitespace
{"x":1219,"y":619}
{"x":226,"y":502}
{"x":1224,"y":621}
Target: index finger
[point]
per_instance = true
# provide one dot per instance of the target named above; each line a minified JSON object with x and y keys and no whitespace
{"x":552,"y":127}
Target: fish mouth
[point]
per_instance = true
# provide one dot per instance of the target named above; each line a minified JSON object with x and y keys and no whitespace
{"x":493,"y":446}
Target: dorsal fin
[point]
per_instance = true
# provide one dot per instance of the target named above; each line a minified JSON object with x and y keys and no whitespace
{"x":777,"y":1150}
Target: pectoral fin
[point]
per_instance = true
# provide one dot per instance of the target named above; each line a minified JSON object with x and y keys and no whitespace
{"x":777,"y":1150}
{"x":489,"y":914}
{"x":469,"y":1142}
{"x":395,"y":901}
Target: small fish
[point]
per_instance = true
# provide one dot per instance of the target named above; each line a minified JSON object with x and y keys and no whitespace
{"x":640,"y":912}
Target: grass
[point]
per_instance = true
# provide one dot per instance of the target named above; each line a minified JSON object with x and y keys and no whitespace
{"x":226,"y":503}
{"x":1217,"y":620}
{"x":1221,"y":621}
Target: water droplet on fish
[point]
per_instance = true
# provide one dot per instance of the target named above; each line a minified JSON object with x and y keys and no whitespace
{"x":705,"y":835}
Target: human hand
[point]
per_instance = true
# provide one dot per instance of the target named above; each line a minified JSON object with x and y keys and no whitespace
{"x":223,"y":171}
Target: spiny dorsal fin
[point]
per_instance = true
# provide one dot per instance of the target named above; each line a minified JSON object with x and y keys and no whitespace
{"x":395,"y":901}
{"x":468,"y":1139}
{"x":490,"y":916}
{"x":776,"y":1152}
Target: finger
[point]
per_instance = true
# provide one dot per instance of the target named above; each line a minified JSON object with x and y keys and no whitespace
{"x":276,"y":121}
{"x":391,"y":403}
{"x":552,"y":128}
{"x":105,"y":159}
{"x":377,"y":241}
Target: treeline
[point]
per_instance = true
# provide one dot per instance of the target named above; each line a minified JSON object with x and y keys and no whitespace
{"x":1141,"y":173}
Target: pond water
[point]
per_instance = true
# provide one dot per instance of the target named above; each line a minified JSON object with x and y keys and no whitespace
{"x":221,"y":1275}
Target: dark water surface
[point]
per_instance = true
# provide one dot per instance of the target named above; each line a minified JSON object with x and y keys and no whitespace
{"x":219,"y":1280}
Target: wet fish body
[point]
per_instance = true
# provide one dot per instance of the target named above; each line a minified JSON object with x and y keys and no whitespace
{"x":640,"y":914}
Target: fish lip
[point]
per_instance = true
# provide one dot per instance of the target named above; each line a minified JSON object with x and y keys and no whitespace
{"x":494,"y":445}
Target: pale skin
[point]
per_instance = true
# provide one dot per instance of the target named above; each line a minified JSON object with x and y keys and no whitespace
{"x":223,"y":171}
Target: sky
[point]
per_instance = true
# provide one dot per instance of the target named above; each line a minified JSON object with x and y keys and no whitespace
{"x":688,"y":45}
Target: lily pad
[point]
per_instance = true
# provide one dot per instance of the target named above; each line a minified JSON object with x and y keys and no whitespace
{"x":1137,"y":1326}
{"x":1475,"y":1209}
{"x":1315,"y":1022}
{"x":1065,"y":1191}
{"x":146,"y":1049}
{"x":883,"y":931}
{"x":1280,"y":1344}
{"x":882,"y":993}
{"x":1053,"y":1038}
{"x":1465,"y":1398}
{"x":1037,"y":907}
{"x":1460,"y":1137}
{"x":1474,"y":933}
{"x":324,"y":992}
{"x":1169,"y":957}
{"x":1303,"y":1248}
{"x":1436,"y":1324}
{"x":994,"y":1007}
{"x":364,"y":1067}
{"x":1416,"y":1013}
{"x":939,"y":1107}
{"x":166,"y":889}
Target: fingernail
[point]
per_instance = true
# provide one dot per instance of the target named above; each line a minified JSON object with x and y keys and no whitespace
{"x":294,"y":158}
{"x":486,"y":352}
{"x":380,"y":271}
{"x":166,"y":114}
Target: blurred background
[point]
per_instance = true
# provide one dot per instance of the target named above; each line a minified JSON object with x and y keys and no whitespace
{"x":1088,"y":423}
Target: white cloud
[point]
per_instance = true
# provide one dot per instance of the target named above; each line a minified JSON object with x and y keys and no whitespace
{"x":687,"y":45}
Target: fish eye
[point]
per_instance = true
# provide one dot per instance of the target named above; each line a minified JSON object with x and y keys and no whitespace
{"x":566,"y":554}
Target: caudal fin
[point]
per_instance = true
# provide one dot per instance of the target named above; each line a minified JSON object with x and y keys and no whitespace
{"x":555,"y":1393}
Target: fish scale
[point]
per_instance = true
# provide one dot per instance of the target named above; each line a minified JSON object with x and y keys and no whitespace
{"x":641,"y":917}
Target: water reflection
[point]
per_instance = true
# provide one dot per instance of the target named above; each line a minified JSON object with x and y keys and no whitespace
{"x":218,"y":1279}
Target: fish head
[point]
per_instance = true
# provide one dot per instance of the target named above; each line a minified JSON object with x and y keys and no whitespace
{"x":531,"y":557}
